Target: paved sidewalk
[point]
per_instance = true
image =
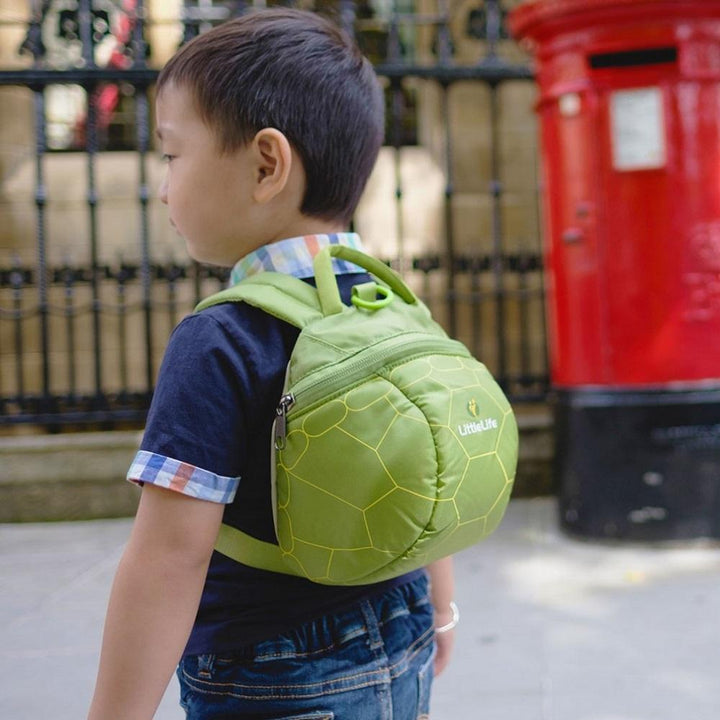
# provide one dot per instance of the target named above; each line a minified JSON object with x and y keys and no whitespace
{"x":551,"y":628}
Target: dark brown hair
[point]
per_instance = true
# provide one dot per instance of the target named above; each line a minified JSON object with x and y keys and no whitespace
{"x":297,"y":72}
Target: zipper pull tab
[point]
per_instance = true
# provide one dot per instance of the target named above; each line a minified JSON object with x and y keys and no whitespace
{"x":286,"y":402}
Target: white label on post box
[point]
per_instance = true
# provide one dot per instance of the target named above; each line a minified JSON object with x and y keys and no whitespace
{"x":638,"y":129}
{"x":570,"y":104}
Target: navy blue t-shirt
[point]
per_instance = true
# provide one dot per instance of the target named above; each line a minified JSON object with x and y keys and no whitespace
{"x":213,"y":408}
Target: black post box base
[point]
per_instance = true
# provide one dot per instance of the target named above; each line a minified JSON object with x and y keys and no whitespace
{"x":639,"y":465}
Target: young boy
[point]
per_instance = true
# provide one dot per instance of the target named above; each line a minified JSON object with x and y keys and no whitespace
{"x":270,"y":125}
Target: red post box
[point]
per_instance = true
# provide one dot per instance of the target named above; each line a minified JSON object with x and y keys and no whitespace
{"x":629,"y":113}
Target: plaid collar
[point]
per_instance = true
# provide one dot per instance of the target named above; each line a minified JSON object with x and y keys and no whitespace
{"x":294,"y":256}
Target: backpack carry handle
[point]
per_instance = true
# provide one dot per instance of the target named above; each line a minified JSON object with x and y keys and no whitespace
{"x":327,"y":284}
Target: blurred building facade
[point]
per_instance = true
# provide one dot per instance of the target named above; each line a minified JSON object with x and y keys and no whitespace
{"x":92,"y":278}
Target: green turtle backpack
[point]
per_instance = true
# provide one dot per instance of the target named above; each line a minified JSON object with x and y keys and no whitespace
{"x":392,"y":446}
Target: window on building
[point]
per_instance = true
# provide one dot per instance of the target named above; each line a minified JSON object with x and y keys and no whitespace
{"x":109,"y":106}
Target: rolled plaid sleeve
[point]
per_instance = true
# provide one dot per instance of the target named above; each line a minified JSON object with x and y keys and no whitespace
{"x":181,"y":477}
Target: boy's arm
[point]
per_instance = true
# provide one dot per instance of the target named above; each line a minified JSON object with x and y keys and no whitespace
{"x":442,"y":593}
{"x":153,"y":602}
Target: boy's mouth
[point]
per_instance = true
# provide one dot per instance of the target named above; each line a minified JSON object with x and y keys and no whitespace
{"x":176,"y":229}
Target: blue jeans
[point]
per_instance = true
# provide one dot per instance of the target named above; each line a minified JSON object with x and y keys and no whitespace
{"x":372,"y":662}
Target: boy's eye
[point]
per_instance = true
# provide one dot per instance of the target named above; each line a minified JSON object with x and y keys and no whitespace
{"x":166,"y":157}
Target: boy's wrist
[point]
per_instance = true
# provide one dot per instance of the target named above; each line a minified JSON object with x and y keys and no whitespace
{"x":447,"y":618}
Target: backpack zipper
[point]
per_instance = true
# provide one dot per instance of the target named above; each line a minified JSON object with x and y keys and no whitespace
{"x":286,"y":402}
{"x":368,"y":360}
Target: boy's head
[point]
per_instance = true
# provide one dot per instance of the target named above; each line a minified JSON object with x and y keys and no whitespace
{"x":300,"y":74}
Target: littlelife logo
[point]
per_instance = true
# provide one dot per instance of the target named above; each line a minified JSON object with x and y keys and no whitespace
{"x":472,"y":428}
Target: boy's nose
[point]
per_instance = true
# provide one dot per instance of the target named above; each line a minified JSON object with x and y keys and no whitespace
{"x":162,"y":191}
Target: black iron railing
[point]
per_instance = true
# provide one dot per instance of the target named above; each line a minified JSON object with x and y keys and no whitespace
{"x":80,"y":343}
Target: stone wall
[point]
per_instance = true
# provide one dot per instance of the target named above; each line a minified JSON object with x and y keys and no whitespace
{"x":81,"y":476}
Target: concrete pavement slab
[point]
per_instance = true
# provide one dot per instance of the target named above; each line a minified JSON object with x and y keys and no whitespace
{"x":552,"y":628}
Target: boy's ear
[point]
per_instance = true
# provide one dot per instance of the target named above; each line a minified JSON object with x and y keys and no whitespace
{"x":274,"y":160}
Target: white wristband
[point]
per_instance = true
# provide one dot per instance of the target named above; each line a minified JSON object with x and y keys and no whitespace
{"x":453,"y":622}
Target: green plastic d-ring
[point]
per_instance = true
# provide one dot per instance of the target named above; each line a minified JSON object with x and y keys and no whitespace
{"x":360,"y":301}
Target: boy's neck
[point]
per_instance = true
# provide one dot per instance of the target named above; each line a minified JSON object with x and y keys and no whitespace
{"x":307,"y":226}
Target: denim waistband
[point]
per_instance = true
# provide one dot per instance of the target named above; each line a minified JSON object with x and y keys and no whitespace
{"x":366,"y":617}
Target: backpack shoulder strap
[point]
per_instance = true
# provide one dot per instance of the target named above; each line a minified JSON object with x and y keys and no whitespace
{"x":283,"y":296}
{"x":246,"y":549}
